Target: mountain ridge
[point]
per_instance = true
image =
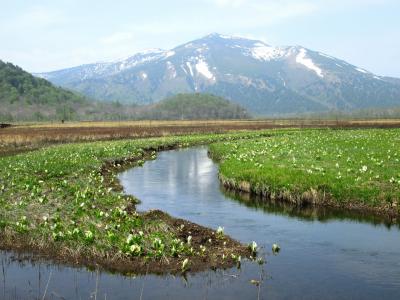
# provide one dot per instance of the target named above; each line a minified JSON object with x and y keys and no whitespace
{"x":265,"y":79}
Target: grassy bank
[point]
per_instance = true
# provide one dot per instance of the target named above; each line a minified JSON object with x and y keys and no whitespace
{"x":64,"y":202}
{"x":357,"y":169}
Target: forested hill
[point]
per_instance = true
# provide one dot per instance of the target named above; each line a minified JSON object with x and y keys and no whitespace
{"x":194,"y":106}
{"x":18,"y":85}
{"x":24,"y":97}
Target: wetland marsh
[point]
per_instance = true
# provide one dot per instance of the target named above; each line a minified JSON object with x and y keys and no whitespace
{"x":323,"y":245}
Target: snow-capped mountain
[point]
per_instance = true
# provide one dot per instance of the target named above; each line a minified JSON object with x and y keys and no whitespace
{"x":263,"y":78}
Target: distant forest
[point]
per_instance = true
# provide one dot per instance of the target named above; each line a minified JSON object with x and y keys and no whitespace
{"x":193,"y":106}
{"x":24,"y":97}
{"x":369,"y":113}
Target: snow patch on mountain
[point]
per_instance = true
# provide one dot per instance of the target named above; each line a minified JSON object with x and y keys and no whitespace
{"x":169,"y":54}
{"x":227,"y":37}
{"x":202,"y":68}
{"x":151,"y":51}
{"x":245,"y":80}
{"x":202,"y":49}
{"x":140,"y":59}
{"x":190,"y":68}
{"x":189,"y":45}
{"x":171,"y":69}
{"x":308,"y":62}
{"x":362,"y":70}
{"x":264,"y":52}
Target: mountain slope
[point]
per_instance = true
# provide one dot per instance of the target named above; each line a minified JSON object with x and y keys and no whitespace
{"x":25,"y":97}
{"x":18,"y":85}
{"x":262,"y":78}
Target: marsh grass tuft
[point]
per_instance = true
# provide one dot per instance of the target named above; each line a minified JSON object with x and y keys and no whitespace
{"x":276,"y":248}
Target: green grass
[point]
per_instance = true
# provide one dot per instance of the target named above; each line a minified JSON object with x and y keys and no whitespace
{"x":58,"y":196}
{"x":344,"y":167}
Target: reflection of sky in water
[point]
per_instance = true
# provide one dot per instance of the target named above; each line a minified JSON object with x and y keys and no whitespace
{"x":331,"y":250}
{"x":322,"y":260}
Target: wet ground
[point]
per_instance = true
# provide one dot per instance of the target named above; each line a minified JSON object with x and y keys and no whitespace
{"x":326,"y":254}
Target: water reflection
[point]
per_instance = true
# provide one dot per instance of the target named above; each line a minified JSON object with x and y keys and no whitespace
{"x":326,"y":247}
{"x":25,"y":279}
{"x":326,"y":254}
{"x":307,"y":212}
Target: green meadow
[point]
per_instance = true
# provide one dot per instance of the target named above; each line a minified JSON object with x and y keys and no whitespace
{"x":352,"y":168}
{"x":67,"y":200}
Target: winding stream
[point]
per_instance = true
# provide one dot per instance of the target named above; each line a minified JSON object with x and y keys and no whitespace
{"x":325,"y":254}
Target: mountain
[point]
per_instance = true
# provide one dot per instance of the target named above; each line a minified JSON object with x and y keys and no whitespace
{"x":24,"y":97}
{"x":265,"y":79}
{"x":192,"y":107}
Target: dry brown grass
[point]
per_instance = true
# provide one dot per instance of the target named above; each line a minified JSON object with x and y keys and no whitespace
{"x":27,"y":136}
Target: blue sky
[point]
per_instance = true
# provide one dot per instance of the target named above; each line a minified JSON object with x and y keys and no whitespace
{"x":49,"y":35}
